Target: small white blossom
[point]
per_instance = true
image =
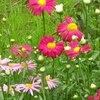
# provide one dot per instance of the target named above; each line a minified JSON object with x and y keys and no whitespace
{"x":97,"y":11}
{"x":87,"y":1}
{"x":93,"y":86}
{"x":59,"y":8}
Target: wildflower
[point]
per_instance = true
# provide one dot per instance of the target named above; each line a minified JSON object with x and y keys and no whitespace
{"x":59,"y":8}
{"x":68,"y":66}
{"x":11,"y":90}
{"x":93,"y":86}
{"x":4,"y":61}
{"x":22,"y":51}
{"x":29,"y":87}
{"x":67,"y":29}
{"x":95,"y":97}
{"x":76,"y":49}
{"x":38,"y":6}
{"x":87,"y":1}
{"x":52,"y":83}
{"x":75,"y":96}
{"x":49,"y":47}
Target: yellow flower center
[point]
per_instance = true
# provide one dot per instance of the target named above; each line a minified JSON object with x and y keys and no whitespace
{"x":11,"y":64}
{"x":48,"y":78}
{"x":42,"y":2}
{"x":29,"y":85}
{"x":51,"y":45}
{"x":23,"y":64}
{"x":76,"y":49}
{"x":23,"y":49}
{"x":72,"y":27}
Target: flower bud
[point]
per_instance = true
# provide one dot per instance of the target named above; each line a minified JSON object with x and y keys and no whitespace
{"x":93,"y":86}
{"x":67,"y":48}
{"x":59,"y":8}
{"x":68,"y":66}
{"x":75,"y":96}
{"x":87,"y":1}
{"x":4,"y":19}
{"x":42,"y":69}
{"x":12,"y":40}
{"x":83,"y":41}
{"x":74,"y":37}
{"x":97,"y":11}
{"x":41,"y":58}
{"x":7,"y":72}
{"x":29,"y":37}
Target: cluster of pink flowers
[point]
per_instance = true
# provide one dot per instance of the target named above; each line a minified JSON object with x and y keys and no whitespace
{"x":95,"y":97}
{"x":70,"y":35}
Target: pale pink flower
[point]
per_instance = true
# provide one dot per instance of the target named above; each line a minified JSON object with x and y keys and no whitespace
{"x":4,"y":61}
{"x":52,"y":83}
{"x":29,"y":87}
{"x":5,"y":89}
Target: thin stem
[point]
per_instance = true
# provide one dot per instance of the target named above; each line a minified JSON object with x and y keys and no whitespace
{"x":43,"y":19}
{"x":43,"y":89}
{"x":53,"y":68}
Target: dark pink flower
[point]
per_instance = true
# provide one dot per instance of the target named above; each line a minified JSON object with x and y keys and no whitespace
{"x":38,"y":6}
{"x":49,"y":47}
{"x":68,"y":30}
{"x":22,"y":51}
{"x":75,"y":49}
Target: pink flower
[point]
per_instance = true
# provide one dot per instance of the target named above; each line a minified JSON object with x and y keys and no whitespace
{"x":29,"y":87}
{"x":31,"y":64}
{"x":4,"y":61}
{"x":52,"y":83}
{"x":22,"y":51}
{"x":49,"y":47}
{"x":12,"y":67}
{"x":68,"y":30}
{"x":11,"y":90}
{"x":75,"y":49}
{"x":38,"y":6}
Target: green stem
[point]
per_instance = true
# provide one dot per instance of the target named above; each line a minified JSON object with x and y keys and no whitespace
{"x":53,"y":68}
{"x":43,"y":19}
{"x":43,"y":89}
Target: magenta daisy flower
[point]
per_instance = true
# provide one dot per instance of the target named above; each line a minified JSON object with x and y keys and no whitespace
{"x":49,"y":47}
{"x":73,"y":49}
{"x":68,"y":30}
{"x":52,"y":83}
{"x":38,"y":6}
{"x":22,"y":51}
{"x":29,"y":87}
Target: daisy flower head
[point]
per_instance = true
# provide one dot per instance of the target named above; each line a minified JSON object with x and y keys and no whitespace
{"x":75,"y":49}
{"x":11,"y":90}
{"x":29,"y":87}
{"x":68,"y":30}
{"x":22,"y":51}
{"x":38,"y":6}
{"x":49,"y":47}
{"x":52,"y":83}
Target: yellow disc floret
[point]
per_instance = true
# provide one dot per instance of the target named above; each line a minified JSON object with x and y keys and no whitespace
{"x":76,"y":49}
{"x":48,"y":78}
{"x":42,"y":2}
{"x":29,"y":85}
{"x":72,"y":27}
{"x":51,"y":45}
